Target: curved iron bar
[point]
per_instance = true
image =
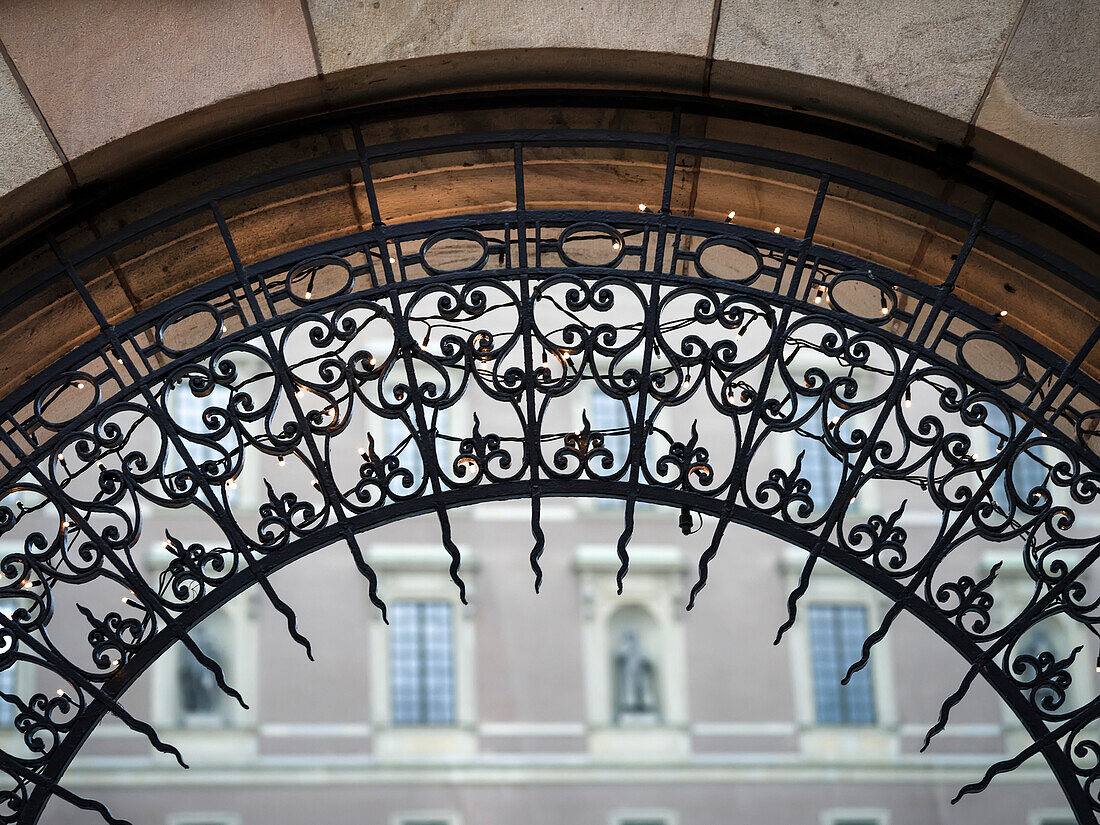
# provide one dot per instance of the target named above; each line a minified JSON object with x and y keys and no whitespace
{"x":755,"y":335}
{"x":347,"y":353}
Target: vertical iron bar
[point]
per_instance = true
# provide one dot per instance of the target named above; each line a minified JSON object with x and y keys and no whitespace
{"x":741,"y":460}
{"x":329,"y":491}
{"x":638,"y":428}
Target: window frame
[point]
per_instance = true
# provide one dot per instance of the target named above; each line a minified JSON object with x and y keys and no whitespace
{"x":648,"y":816}
{"x":419,"y":572}
{"x":203,"y":819}
{"x":880,"y":742}
{"x":245,"y":492}
{"x":236,"y":740}
{"x":845,"y":701}
{"x":584,"y":404}
{"x":1046,"y":455}
{"x":379,"y":426}
{"x":22,"y":678}
{"x":1051,"y":816}
{"x":855,"y":816}
{"x":421,"y":653}
{"x":1014,"y":590}
{"x":424,"y":817}
{"x":200,"y":720}
{"x":786,"y":451}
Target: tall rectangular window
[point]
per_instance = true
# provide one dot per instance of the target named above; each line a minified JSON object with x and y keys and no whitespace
{"x":606,"y":413}
{"x":422,"y":663}
{"x":822,"y":471}
{"x":397,"y":434}
{"x":200,"y":701}
{"x":837,"y":632}
{"x":1028,"y":472}
{"x":187,"y":411}
{"x":9,"y":678}
{"x":8,"y":682}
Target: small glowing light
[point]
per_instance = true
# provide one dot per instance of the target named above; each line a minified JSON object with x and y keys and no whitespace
{"x":615,"y":245}
{"x":80,"y":385}
{"x":641,"y":207}
{"x":61,"y":458}
{"x":776,"y":230}
{"x":370,"y":360}
{"x":362,"y":451}
{"x":232,"y":484}
{"x":1003,"y":313}
{"x":114,"y":663}
{"x":27,"y":584}
{"x":309,"y":294}
{"x":393,"y":260}
{"x":282,"y":461}
{"x":65,"y":524}
{"x":60,"y":692}
{"x":731,"y":215}
{"x":885,"y":305}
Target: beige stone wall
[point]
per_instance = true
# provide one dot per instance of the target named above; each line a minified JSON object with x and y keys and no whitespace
{"x":91,"y":91}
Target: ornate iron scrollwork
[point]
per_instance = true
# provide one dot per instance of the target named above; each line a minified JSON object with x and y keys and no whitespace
{"x":709,"y":367}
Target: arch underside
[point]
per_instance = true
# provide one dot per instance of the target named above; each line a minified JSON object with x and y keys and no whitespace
{"x":733,"y":355}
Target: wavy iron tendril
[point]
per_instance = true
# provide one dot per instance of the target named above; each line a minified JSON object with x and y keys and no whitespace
{"x":539,"y":536}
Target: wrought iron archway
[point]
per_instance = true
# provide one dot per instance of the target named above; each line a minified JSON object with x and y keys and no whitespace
{"x":712,"y":337}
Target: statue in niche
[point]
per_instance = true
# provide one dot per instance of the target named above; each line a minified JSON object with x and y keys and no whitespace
{"x":635,"y":682}
{"x":199,"y":693}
